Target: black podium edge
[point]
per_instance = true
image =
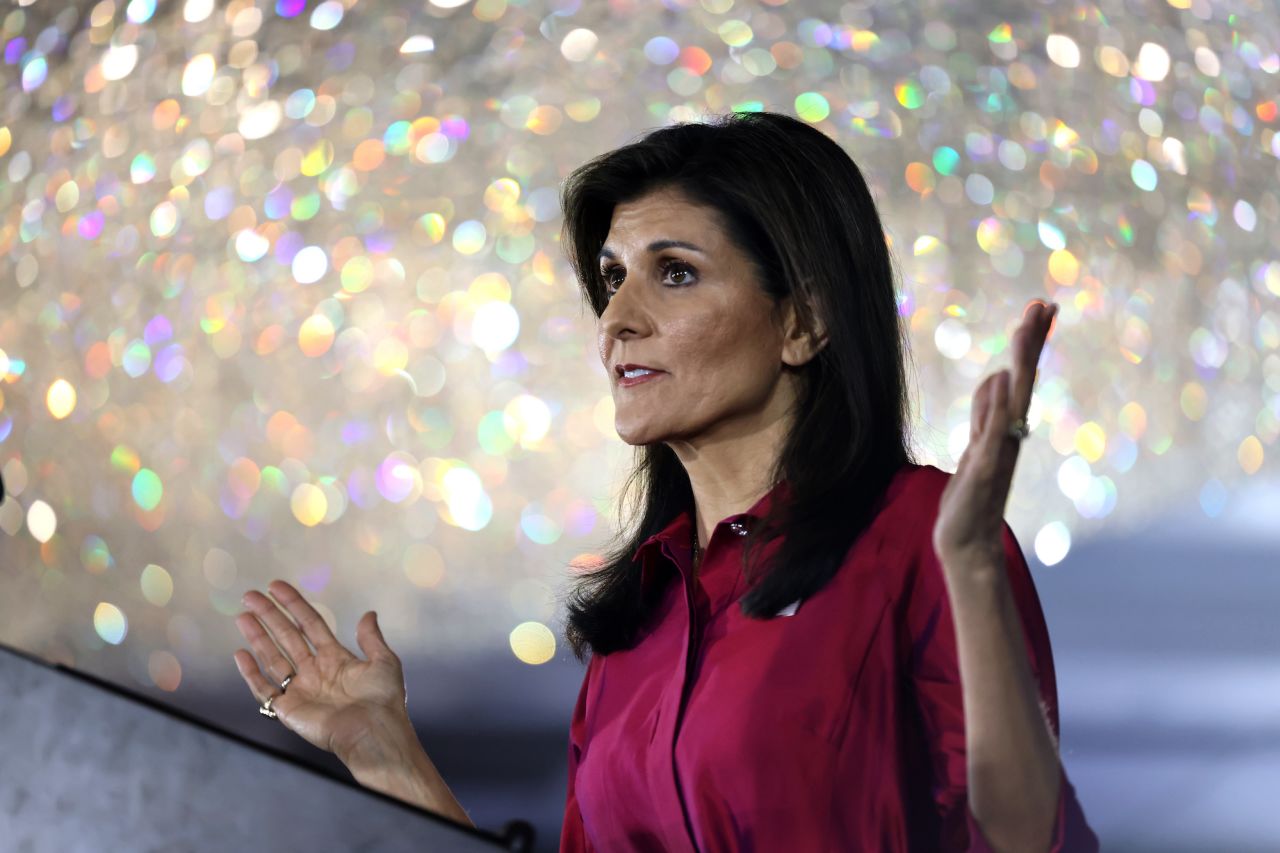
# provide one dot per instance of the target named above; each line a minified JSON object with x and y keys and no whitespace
{"x":274,"y":752}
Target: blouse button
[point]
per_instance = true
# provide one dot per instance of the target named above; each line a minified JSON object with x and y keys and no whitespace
{"x":738,"y":528}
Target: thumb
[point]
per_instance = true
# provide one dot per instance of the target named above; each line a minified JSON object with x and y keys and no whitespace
{"x":369,"y":636}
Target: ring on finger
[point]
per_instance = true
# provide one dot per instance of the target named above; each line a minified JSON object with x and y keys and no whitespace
{"x":283,"y":683}
{"x":266,"y":710}
{"x":1018,"y":429}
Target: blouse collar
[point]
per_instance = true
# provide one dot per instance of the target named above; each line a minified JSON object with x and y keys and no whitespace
{"x":677,"y":535}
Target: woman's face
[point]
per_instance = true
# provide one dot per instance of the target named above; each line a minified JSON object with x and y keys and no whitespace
{"x":698,"y":317}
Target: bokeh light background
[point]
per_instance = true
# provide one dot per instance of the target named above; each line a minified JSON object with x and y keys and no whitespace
{"x":283,"y":294}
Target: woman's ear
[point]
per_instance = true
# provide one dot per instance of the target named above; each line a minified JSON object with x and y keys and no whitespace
{"x":801,"y":340}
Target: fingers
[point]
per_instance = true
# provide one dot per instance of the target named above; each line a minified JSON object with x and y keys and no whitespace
{"x":258,"y":686}
{"x":997,"y":428}
{"x":310,"y":620}
{"x":991,"y":419}
{"x":283,"y":631}
{"x":372,"y":643}
{"x":275,"y":663}
{"x":981,"y":409}
{"x":1028,"y":343}
{"x":1003,"y":453}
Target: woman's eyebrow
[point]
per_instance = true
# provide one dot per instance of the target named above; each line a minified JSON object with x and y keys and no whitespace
{"x":655,"y":246}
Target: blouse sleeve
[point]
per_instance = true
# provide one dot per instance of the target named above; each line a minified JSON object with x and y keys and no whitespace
{"x":573,"y":835}
{"x":935,"y":677}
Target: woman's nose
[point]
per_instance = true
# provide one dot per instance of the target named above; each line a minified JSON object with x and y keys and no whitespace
{"x":624,"y":315}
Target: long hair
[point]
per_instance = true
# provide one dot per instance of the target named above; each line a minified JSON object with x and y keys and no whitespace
{"x":795,"y":203}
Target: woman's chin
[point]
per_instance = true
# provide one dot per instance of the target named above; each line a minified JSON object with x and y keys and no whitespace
{"x":637,"y":434}
{"x":634,"y":441}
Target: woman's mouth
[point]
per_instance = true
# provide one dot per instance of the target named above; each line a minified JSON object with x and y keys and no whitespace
{"x":638,"y":375}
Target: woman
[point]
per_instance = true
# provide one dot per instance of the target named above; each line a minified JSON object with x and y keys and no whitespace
{"x":806,"y":639}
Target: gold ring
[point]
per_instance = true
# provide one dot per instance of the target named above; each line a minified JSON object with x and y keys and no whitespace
{"x":266,"y":710}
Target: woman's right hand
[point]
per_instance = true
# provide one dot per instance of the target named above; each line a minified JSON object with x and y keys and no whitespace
{"x":335,"y":700}
{"x":351,"y":707}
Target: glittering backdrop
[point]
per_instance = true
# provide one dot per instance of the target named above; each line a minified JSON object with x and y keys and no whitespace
{"x":282,"y":292}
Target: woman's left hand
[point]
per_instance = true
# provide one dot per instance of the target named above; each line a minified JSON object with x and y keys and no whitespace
{"x":971,"y":512}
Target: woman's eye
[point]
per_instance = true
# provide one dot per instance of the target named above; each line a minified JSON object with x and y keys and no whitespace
{"x":613,"y":280}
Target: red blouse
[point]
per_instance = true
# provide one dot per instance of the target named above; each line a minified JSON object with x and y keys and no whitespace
{"x":837,"y":727}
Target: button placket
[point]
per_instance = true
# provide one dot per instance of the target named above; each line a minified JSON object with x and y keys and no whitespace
{"x":692,"y":647}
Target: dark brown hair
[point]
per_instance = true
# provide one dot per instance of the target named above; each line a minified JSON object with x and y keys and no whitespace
{"x":797,"y":205}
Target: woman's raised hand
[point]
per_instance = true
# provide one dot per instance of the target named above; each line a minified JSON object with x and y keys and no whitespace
{"x":972,"y":506}
{"x":351,"y":707}
{"x":334,"y":699}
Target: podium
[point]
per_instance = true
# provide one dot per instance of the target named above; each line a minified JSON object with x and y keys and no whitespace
{"x":90,"y":766}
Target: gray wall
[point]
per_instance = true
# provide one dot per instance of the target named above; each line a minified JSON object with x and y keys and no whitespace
{"x":86,"y":769}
